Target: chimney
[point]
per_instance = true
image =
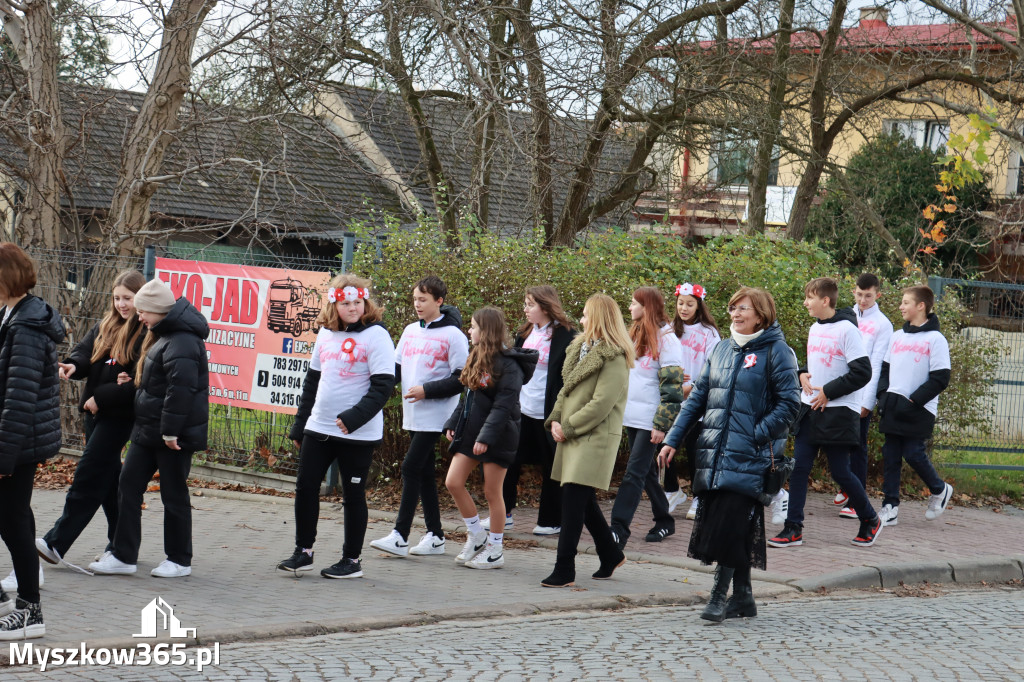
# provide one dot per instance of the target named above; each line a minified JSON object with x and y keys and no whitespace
{"x":873,"y":17}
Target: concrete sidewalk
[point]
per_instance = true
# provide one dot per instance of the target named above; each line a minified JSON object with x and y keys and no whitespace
{"x":235,"y":593}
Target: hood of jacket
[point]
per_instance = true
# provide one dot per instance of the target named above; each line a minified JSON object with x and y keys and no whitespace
{"x":842,"y":314}
{"x":526,"y":358}
{"x":34,"y":312}
{"x":769,"y":336}
{"x":930,"y":325}
{"x":183,"y":317}
{"x":360,"y":326}
{"x":450,"y":317}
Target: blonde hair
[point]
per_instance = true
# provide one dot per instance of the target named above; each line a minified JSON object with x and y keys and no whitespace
{"x":328,"y":316}
{"x":604,"y":323}
{"x":492,"y":336}
{"x":117,"y":336}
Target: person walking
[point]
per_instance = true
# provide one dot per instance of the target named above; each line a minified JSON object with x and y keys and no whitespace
{"x":171,"y":415}
{"x":111,"y":349}
{"x":340,"y":419}
{"x":748,"y":395}
{"x":29,"y":429}
{"x":586,"y":422}
{"x":484,"y":430}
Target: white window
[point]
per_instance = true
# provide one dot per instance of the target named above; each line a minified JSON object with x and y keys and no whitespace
{"x":1015,"y":174}
{"x":931,"y":135}
{"x":733,"y":161}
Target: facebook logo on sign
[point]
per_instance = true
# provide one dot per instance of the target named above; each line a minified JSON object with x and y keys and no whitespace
{"x":286,"y":345}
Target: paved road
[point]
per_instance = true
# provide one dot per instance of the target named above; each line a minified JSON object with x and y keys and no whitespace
{"x":963,"y":635}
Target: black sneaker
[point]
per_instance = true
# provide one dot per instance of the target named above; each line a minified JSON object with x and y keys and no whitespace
{"x":297,"y":563}
{"x":659,"y":533}
{"x":792,"y":535}
{"x":24,"y":622}
{"x":869,"y":531}
{"x":346,"y":568}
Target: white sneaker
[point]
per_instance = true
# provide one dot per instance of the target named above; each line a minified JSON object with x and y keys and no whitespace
{"x":675,"y":499}
{"x":10,"y":583}
{"x":46,"y":552}
{"x":169,"y":569}
{"x":780,"y":507}
{"x":692,"y":512}
{"x":108,"y":564}
{"x":890,"y":514}
{"x":547,"y":530}
{"x":474,"y":545}
{"x":491,"y":557}
{"x":509,"y":522}
{"x":429,"y":545}
{"x":392,"y":544}
{"x":938,"y":503}
{"x":840,"y":499}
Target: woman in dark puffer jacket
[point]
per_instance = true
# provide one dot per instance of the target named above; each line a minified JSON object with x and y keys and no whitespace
{"x":29,"y":428}
{"x":171,"y":414}
{"x":748,"y":394}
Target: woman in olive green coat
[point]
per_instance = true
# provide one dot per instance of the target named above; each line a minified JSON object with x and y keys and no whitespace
{"x":586,"y":422}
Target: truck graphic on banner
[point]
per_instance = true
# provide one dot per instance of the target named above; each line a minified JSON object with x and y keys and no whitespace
{"x":293,"y":307}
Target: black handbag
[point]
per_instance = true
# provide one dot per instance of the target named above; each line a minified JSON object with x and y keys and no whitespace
{"x":778,"y":472}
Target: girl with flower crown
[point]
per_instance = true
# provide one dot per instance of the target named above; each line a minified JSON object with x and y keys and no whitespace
{"x":698,"y":334}
{"x":340,"y":419}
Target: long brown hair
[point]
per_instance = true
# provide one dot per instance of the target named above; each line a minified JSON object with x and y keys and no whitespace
{"x":492,"y":336}
{"x":546,"y":296}
{"x":328,"y":316}
{"x":646,"y":332}
{"x":700,"y":316}
{"x":117,"y":336}
{"x":604,"y":323}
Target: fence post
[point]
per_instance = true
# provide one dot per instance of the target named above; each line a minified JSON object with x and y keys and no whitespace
{"x":149,"y":263}
{"x":348,"y":244}
{"x":936,"y":284}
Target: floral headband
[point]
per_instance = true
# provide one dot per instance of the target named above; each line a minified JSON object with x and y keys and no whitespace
{"x":688,"y":289}
{"x":349,"y":293}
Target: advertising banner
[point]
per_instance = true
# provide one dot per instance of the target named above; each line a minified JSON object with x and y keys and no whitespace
{"x":261,"y":328}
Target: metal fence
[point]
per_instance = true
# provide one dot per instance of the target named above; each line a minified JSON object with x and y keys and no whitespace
{"x":995,"y":314}
{"x":77,"y":283}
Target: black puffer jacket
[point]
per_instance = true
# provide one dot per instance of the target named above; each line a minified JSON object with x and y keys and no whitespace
{"x":173,"y":398}
{"x":115,"y":401}
{"x":748,"y":406}
{"x":491,"y":415}
{"x":30,"y":394}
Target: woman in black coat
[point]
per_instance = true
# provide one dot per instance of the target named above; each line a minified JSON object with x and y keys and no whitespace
{"x":171,"y":414}
{"x":548,"y":331}
{"x":485,"y":429}
{"x":29,"y":429}
{"x":748,"y":394}
{"x":109,"y":350}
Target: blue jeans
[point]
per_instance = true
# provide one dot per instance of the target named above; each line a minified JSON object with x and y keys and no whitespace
{"x":899,"y":448}
{"x":838,"y":464}
{"x":641,"y":474}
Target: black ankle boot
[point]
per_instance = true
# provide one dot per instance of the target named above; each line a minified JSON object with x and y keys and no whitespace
{"x":608,"y":565}
{"x":564,"y":574}
{"x":715,"y":610}
{"x":741,"y":603}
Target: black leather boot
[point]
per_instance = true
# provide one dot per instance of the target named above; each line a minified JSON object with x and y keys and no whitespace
{"x":741,"y":603}
{"x":715,"y":610}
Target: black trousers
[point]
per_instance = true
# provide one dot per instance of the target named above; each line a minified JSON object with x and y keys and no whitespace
{"x":641,"y":475}
{"x":95,"y":483}
{"x":18,"y":528}
{"x":534,"y":443}
{"x":687,"y":452}
{"x":315,"y":458}
{"x":579,"y":509}
{"x":139,"y":466}
{"x":419,"y":483}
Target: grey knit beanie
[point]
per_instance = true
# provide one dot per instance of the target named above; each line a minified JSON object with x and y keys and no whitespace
{"x":154,"y":297}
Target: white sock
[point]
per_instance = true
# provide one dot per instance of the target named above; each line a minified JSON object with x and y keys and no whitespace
{"x":473,"y":525}
{"x":496,"y":538}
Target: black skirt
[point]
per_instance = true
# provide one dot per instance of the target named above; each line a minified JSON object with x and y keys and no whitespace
{"x":729,"y":530}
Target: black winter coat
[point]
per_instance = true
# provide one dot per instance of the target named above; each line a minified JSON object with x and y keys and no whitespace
{"x":173,"y":398}
{"x":115,"y":401}
{"x":30,"y":394}
{"x":491,"y":415}
{"x":908,"y":417}
{"x":748,"y":407}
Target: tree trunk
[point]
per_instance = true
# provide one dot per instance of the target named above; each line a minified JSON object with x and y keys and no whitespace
{"x":770,"y":130}
{"x":154,"y":127}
